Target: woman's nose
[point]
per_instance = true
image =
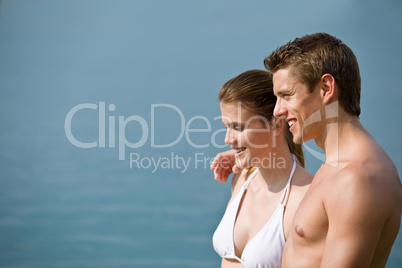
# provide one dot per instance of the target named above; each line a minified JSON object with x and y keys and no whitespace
{"x":229,"y":138}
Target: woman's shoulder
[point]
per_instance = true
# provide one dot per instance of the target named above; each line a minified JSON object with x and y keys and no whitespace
{"x":302,"y":178}
{"x":239,"y":180}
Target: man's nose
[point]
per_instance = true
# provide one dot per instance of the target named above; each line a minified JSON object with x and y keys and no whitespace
{"x":279,"y":110}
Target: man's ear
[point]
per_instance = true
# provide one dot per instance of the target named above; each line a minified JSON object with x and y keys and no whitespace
{"x":327,"y":88}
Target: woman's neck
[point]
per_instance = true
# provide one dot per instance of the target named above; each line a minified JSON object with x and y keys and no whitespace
{"x":276,"y":175}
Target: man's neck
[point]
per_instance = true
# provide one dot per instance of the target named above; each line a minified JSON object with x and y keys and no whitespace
{"x":336,"y":138}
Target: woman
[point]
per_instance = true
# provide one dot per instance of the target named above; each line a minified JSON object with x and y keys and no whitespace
{"x":266,"y":194}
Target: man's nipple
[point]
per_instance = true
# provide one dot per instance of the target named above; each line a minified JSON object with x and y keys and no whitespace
{"x":299,"y":231}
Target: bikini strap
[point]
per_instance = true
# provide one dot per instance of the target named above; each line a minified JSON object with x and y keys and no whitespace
{"x":285,"y":195}
{"x":250,"y":178}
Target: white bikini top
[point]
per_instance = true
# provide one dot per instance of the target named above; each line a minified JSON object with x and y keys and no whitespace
{"x":265,"y":249}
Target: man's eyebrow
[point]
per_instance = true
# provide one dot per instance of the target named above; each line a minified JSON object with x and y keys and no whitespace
{"x":281,"y":92}
{"x":278,"y":93}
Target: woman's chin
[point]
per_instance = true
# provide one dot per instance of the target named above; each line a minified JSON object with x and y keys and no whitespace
{"x":242,"y":164}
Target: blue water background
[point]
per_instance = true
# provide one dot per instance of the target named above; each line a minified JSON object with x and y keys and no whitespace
{"x":65,"y":206}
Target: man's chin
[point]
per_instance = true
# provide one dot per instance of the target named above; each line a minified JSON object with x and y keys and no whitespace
{"x":297,"y":140}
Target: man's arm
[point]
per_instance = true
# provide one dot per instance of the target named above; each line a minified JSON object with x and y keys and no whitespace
{"x":357,"y":209}
{"x":223,"y":165}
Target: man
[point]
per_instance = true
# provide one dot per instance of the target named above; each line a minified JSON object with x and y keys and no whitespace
{"x":351,"y":214}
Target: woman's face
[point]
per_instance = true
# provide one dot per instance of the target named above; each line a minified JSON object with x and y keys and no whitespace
{"x":249,"y":135}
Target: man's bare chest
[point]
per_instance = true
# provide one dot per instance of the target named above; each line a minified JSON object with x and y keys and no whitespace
{"x":310,"y":223}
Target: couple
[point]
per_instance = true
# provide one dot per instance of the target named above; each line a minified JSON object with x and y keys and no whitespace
{"x":348,"y":214}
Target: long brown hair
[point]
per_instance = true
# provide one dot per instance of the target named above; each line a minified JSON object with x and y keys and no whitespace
{"x":254,"y":89}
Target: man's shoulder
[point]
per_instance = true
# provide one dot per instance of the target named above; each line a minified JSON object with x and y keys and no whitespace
{"x":361,"y":185}
{"x":344,"y":178}
{"x":364,"y":175}
{"x":367,"y":157}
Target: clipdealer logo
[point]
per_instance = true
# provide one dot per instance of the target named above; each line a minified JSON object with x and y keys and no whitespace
{"x":107,"y":124}
{"x":107,"y":136}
